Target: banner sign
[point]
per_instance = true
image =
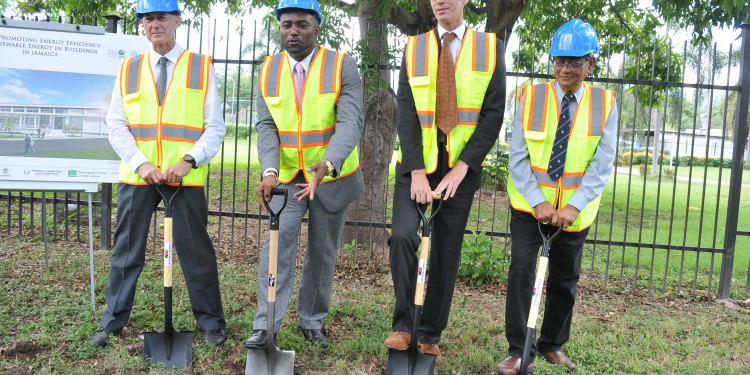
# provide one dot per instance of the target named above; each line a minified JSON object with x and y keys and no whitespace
{"x":55,"y":89}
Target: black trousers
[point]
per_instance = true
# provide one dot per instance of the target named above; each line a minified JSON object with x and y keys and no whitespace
{"x":445,"y":258}
{"x":135,"y":205}
{"x":561,"y":284}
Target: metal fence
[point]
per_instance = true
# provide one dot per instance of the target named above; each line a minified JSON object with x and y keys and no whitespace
{"x":669,"y":215}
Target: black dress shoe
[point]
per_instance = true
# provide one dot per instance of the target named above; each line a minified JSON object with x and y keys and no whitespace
{"x":258,"y":340}
{"x":100,"y":338}
{"x":214,"y":338}
{"x":316,"y":337}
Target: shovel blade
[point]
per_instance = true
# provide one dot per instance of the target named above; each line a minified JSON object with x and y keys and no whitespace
{"x":156,"y":347}
{"x":411,"y":362}
{"x":269,"y":361}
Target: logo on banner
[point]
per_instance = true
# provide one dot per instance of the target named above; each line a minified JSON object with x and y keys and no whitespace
{"x":72,"y":173}
{"x":5,"y":172}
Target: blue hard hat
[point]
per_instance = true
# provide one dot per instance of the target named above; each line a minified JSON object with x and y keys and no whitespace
{"x":309,"y":5}
{"x":153,"y":6}
{"x":574,"y":38}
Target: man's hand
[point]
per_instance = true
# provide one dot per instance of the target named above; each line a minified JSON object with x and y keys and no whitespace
{"x":565,"y":217}
{"x":177,"y":171}
{"x":151,"y":174}
{"x":319,"y":170}
{"x":544,"y":212}
{"x":264,"y":190}
{"x":420,"y":187}
{"x":452,"y":179}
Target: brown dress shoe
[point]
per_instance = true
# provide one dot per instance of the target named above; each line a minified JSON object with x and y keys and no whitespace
{"x":558,"y":358}
{"x":433,"y":349}
{"x":398,"y":340}
{"x":511,"y":366}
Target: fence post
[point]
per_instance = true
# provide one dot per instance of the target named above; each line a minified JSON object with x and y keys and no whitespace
{"x":735,"y":183}
{"x":106,"y":220}
{"x":112,"y":22}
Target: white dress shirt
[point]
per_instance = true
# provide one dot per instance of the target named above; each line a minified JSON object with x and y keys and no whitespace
{"x":596,"y":175}
{"x":203,"y":150}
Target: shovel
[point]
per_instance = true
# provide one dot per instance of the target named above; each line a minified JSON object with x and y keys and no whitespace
{"x":538,"y":286}
{"x":271,"y":360}
{"x":174,"y":349}
{"x":412,"y":361}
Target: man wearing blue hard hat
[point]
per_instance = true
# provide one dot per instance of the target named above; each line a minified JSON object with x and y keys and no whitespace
{"x":309,"y":124}
{"x":166,"y":125}
{"x":559,"y":164}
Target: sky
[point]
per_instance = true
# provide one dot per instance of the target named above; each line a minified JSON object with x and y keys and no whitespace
{"x":44,"y":87}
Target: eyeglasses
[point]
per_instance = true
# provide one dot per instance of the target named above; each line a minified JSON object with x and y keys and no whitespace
{"x":572,"y":65}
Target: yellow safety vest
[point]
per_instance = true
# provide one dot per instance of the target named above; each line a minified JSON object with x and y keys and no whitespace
{"x":165,"y":133}
{"x":475,"y":65}
{"x":540,"y":117}
{"x":306,"y":128}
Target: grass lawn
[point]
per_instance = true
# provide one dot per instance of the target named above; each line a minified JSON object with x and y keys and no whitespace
{"x":46,"y":321}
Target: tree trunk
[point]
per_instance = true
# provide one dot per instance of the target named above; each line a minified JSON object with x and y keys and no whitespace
{"x":379,"y":134}
{"x":502,"y":16}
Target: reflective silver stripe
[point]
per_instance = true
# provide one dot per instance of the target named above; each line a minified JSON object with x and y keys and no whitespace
{"x":315,"y":139}
{"x":543,"y":177}
{"x":139,"y":132}
{"x":184,"y":133}
{"x":568,"y":181}
{"x":420,"y":55}
{"x":538,"y":107}
{"x":134,"y":68}
{"x":426,"y":119}
{"x":288,"y":140}
{"x":329,"y":68}
{"x":468,"y":116}
{"x":597,"y":111}
{"x":196,"y":67}
{"x":572,"y":181}
{"x":272,"y":84}
{"x":480,"y":48}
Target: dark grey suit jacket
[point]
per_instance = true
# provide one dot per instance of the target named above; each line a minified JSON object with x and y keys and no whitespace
{"x":334,"y":195}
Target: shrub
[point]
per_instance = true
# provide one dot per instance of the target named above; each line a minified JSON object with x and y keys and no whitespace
{"x":242,"y":131}
{"x":482,"y":261}
{"x":495,"y":171}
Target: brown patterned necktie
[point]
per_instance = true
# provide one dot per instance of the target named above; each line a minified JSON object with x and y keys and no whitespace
{"x":446,"y":108}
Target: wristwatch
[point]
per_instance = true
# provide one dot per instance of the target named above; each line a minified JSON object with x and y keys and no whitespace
{"x":271,"y":173}
{"x":190,"y":160}
{"x":331,"y":169}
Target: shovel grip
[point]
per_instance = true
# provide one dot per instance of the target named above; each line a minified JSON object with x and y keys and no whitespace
{"x":168,"y":251}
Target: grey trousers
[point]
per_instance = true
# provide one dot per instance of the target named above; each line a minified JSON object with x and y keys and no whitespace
{"x":324,"y":233}
{"x":197,"y":257}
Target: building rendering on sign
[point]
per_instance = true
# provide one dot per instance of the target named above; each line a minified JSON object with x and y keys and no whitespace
{"x":53,"y":120}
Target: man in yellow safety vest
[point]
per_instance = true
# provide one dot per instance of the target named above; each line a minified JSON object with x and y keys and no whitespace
{"x":309,"y":124}
{"x":166,"y":125}
{"x":451,"y":101}
{"x":561,"y":155}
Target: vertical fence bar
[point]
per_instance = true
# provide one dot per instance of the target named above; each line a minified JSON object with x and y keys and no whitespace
{"x":735,"y":183}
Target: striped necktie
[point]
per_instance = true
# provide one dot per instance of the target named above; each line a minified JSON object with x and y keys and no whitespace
{"x":560,"y":148}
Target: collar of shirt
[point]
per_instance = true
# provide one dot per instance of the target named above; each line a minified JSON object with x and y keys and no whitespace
{"x":305,"y":62}
{"x":456,"y":42}
{"x":560,"y":93}
{"x":173,"y":55}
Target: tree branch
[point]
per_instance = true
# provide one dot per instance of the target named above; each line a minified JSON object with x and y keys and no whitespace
{"x":477,"y":10}
{"x":347,"y":7}
{"x":403,"y":20}
{"x":619,"y":17}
